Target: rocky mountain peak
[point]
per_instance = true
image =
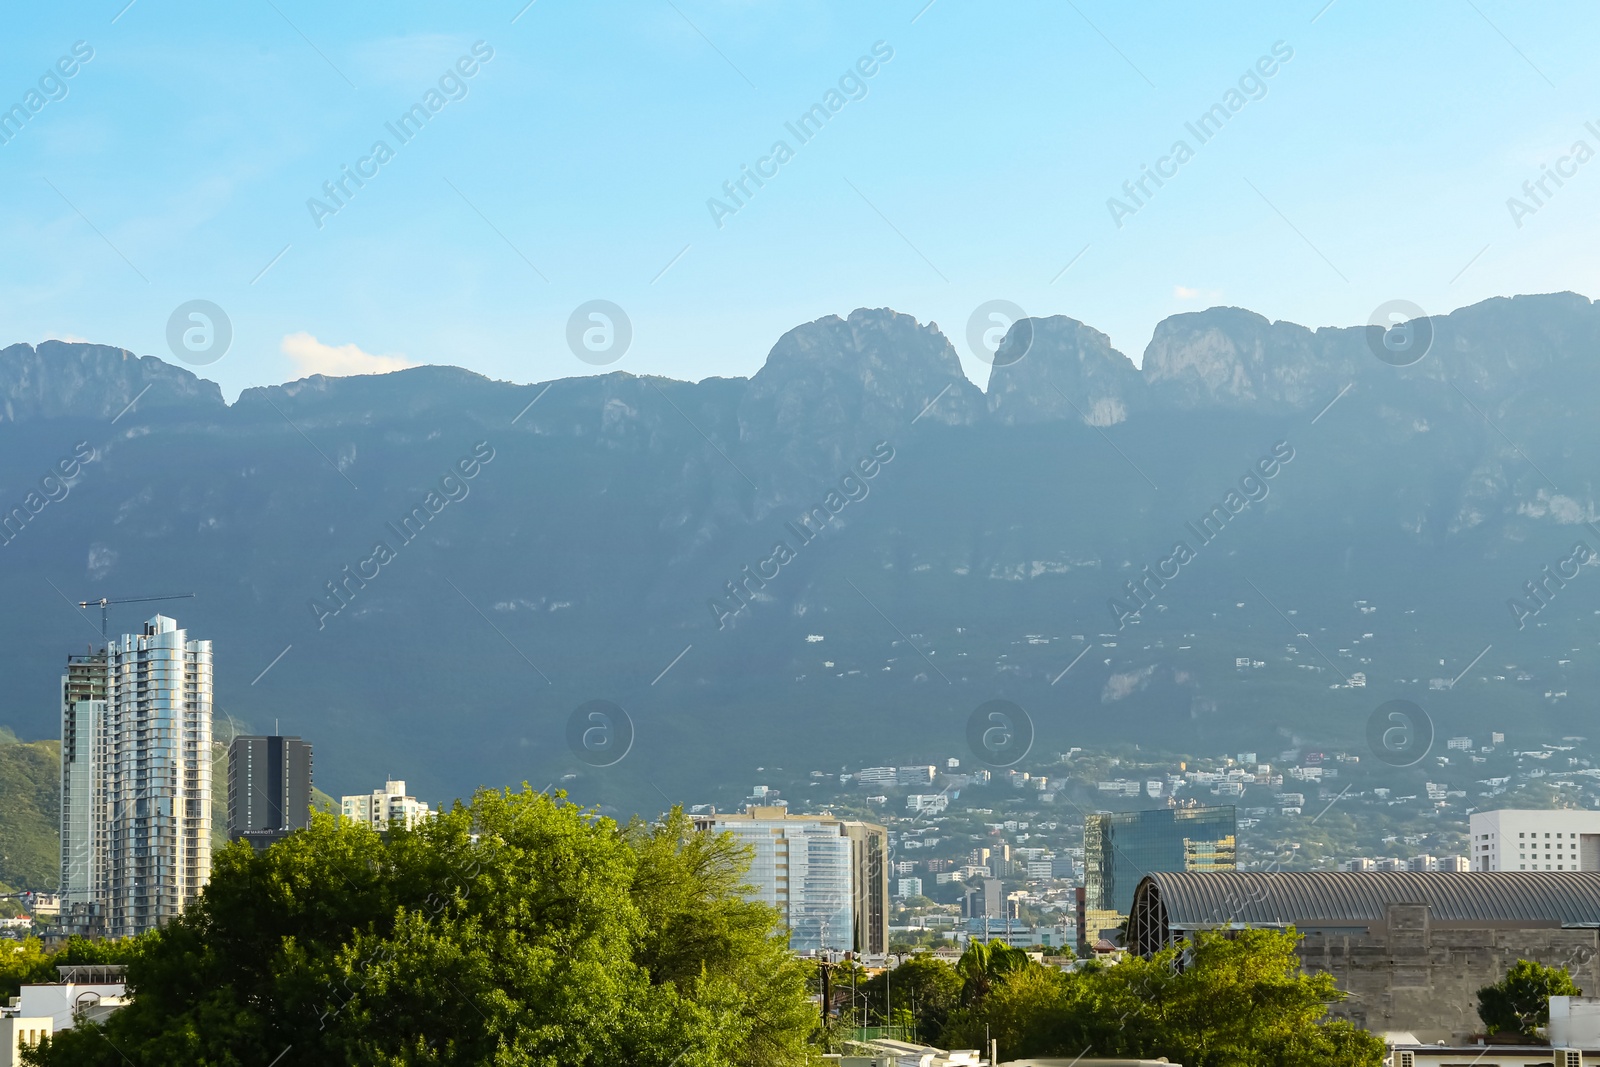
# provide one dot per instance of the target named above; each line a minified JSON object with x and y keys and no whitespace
{"x":62,"y":378}
{"x":1232,"y":358}
{"x":873,"y":372}
{"x":1058,"y":368}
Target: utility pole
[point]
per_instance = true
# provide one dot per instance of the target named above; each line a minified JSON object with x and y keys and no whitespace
{"x":827,"y":993}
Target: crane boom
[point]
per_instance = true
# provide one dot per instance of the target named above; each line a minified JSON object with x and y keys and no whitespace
{"x":106,"y":602}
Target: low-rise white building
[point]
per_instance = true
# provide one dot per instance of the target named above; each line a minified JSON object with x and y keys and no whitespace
{"x":385,"y":807}
{"x":91,"y":991}
{"x":1524,"y":840}
{"x":19,"y":1031}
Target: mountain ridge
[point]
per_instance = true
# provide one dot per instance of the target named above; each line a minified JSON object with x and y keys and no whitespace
{"x":981,"y":561}
{"x":1214,"y":357}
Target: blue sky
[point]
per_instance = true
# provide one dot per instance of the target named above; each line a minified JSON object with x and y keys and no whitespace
{"x":578,"y":162}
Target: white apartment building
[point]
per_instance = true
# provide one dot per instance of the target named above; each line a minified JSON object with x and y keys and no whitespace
{"x":385,"y":807}
{"x":869,"y":776}
{"x":1523,"y":840}
{"x":136,"y":778}
{"x":828,"y":878}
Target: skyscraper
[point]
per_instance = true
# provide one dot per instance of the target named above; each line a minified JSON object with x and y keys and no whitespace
{"x":1120,"y":848}
{"x":869,"y":885}
{"x":269,"y":788}
{"x":828,"y":877}
{"x":136,"y":779}
{"x":83,"y":709}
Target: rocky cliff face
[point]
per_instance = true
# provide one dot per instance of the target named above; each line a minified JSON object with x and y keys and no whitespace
{"x":1232,"y":358}
{"x":876,"y":370}
{"x":1069,"y":371}
{"x":94,"y":381}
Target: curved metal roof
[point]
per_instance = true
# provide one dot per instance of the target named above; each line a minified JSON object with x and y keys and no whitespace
{"x":1310,"y":898}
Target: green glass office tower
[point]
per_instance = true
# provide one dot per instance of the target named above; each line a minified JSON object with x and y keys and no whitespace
{"x":1120,"y":848}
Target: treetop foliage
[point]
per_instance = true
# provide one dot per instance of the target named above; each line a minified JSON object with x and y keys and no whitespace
{"x":515,"y":930}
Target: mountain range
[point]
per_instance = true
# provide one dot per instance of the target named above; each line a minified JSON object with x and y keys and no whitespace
{"x":428,"y":572}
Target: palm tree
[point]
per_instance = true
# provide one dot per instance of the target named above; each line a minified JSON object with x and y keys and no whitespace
{"x":984,"y":964}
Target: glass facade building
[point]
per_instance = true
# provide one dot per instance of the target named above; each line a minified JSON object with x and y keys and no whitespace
{"x":136,"y":781}
{"x":827,"y":877}
{"x":1120,"y":848}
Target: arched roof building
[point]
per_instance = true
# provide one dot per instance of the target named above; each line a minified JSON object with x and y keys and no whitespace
{"x":1410,"y":948}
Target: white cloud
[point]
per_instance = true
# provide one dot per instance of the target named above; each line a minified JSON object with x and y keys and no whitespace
{"x":311,"y":356}
{"x":1183,"y":292}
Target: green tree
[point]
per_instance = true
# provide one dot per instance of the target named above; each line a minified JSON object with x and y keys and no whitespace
{"x":27,"y":962}
{"x":21,"y":963}
{"x":1222,"y":1001}
{"x":848,"y":978}
{"x":985,"y":963}
{"x":1520,"y":1002}
{"x":516,"y":930}
{"x":920,"y":993}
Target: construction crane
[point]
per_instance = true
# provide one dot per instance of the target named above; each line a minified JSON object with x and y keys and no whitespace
{"x":106,"y":602}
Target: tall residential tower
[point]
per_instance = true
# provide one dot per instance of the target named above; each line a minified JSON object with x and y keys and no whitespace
{"x":269,"y":788}
{"x":828,"y":877}
{"x":136,"y":779}
{"x":83,"y":710}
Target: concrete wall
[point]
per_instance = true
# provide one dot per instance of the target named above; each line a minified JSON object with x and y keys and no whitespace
{"x":1412,"y":973}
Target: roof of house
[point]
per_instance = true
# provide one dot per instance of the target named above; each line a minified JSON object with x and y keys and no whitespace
{"x":1198,"y":899}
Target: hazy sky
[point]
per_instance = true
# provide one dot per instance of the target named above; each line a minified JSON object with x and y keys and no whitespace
{"x":577,"y":162}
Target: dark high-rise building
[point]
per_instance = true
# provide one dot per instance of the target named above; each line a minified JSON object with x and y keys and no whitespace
{"x":869,"y":880}
{"x":83,"y":832}
{"x":269,"y":788}
{"x":1120,"y":848}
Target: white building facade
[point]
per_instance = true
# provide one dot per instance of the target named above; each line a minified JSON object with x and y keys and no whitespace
{"x":801,"y":866}
{"x":1524,"y":840}
{"x":136,"y":778}
{"x":386,"y":807}
{"x":158,"y":801}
